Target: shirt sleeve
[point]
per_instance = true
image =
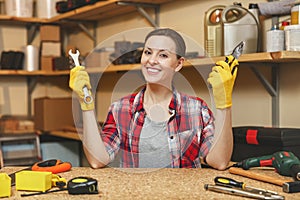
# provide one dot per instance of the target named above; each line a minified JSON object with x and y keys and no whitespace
{"x":110,"y":135}
{"x":208,"y":131}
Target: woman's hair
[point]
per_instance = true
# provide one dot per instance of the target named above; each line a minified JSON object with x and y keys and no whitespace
{"x":175,"y":36}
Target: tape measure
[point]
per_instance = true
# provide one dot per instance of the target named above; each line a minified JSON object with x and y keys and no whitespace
{"x":82,"y":185}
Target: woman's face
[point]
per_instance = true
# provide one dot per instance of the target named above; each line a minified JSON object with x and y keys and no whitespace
{"x":159,"y":60}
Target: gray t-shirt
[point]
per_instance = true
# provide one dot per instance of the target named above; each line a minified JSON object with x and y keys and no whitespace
{"x":153,"y":145}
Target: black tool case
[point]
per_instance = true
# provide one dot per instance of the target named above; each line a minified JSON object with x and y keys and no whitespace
{"x":252,"y":141}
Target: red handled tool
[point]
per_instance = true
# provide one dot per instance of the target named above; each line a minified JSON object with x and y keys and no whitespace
{"x":55,"y":166}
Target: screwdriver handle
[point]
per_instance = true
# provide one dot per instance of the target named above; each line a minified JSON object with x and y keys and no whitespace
{"x":228,"y":182}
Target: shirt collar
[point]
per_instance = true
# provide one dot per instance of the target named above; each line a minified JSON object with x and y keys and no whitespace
{"x":174,"y":105}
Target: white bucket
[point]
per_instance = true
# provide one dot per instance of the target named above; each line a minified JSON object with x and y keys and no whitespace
{"x":19,"y":8}
{"x":46,"y":8}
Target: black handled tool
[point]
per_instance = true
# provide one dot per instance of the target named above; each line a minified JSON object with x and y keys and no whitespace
{"x":236,"y":53}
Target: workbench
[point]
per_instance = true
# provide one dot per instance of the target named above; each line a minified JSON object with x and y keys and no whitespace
{"x":118,"y":183}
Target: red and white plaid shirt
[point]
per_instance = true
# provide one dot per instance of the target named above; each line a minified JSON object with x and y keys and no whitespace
{"x":190,"y":129}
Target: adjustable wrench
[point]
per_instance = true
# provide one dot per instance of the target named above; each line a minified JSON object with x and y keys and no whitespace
{"x":87,"y":97}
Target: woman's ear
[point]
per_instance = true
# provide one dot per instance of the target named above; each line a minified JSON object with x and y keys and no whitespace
{"x":180,"y":64}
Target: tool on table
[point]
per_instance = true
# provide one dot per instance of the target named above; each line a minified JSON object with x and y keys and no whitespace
{"x":54,"y":165}
{"x":82,"y":185}
{"x":236,"y":53}
{"x":287,"y":186}
{"x":58,"y":181}
{"x":38,"y":181}
{"x":228,"y":182}
{"x":239,"y":192}
{"x":87,"y":97}
{"x":75,"y":186}
{"x":284,"y":162}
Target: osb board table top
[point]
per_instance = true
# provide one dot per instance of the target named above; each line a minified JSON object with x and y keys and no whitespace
{"x":115,"y":183}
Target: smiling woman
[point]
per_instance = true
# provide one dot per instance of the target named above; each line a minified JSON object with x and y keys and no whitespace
{"x":159,"y":126}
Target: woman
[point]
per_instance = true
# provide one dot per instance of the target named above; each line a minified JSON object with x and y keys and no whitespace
{"x":159,"y":126}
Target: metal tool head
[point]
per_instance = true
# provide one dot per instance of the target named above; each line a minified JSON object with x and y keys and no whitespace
{"x":238,"y":50}
{"x":75,"y":57}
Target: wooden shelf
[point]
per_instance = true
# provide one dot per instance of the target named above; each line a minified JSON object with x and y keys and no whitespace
{"x":32,"y":73}
{"x":100,"y":10}
{"x":21,"y":20}
{"x":277,"y":57}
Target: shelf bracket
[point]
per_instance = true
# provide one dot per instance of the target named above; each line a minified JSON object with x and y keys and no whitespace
{"x":140,"y":8}
{"x":31,"y":83}
{"x":86,"y":31}
{"x":32,"y":29}
{"x":272,"y":89}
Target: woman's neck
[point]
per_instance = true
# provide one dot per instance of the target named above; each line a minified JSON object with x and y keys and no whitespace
{"x":157,"y":94}
{"x":156,"y":102}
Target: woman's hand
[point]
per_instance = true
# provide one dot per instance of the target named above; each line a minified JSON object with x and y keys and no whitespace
{"x":79,"y":79}
{"x":222,"y":80}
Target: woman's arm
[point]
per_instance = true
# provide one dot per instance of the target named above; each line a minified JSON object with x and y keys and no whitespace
{"x":93,"y":144}
{"x":222,"y":80}
{"x":221,"y":150}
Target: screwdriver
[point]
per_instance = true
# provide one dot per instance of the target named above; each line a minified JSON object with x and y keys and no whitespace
{"x":228,"y":182}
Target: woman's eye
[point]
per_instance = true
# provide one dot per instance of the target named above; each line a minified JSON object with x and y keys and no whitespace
{"x":147,"y":52}
{"x":164,"y":55}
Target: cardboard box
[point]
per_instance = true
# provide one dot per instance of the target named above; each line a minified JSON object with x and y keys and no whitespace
{"x":51,"y":49}
{"x":47,"y":63}
{"x":98,"y":59}
{"x":50,"y":33}
{"x":53,"y":113}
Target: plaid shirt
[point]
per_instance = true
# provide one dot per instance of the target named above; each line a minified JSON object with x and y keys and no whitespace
{"x":190,"y":129}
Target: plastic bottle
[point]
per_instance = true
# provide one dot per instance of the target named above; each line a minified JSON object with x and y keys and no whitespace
{"x":253,"y":8}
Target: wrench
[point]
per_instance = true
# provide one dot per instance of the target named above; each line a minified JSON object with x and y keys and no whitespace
{"x":87,"y":97}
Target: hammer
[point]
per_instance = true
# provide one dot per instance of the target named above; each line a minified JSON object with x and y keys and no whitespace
{"x":288,"y":187}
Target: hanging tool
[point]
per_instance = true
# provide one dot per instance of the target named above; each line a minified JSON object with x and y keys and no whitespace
{"x":75,"y":186}
{"x":87,"y":97}
{"x":230,"y":186}
{"x":284,"y":162}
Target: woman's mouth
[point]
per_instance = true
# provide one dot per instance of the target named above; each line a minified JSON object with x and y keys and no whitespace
{"x":153,"y":70}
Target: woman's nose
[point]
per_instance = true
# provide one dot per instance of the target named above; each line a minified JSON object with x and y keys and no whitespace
{"x":153,"y":59}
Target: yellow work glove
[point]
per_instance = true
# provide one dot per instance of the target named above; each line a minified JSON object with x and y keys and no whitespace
{"x":222,"y":80}
{"x":79,"y":78}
